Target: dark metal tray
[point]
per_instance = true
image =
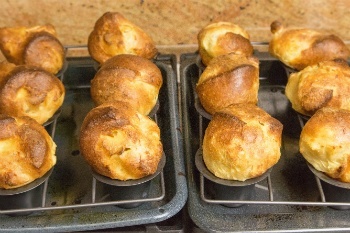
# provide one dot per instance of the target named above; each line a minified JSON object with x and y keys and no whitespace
{"x":290,"y":199}
{"x":74,"y":201}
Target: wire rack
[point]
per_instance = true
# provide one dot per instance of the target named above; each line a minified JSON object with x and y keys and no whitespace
{"x":290,"y":198}
{"x":72,"y":190}
{"x":268,"y":187}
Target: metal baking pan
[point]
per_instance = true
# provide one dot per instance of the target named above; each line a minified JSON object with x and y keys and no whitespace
{"x":290,"y":199}
{"x":74,"y":200}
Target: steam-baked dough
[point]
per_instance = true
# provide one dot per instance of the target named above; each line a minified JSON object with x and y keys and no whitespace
{"x":120,"y":143}
{"x":320,"y":85}
{"x":299,"y":48}
{"x":241,"y":142}
{"x":27,"y":151}
{"x":29,"y":91}
{"x":221,"y":38}
{"x":129,"y":78}
{"x":113,"y":34}
{"x":229,"y":78}
{"x":36,"y":46}
{"x":325,"y":142}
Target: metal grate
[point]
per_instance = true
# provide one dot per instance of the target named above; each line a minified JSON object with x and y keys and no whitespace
{"x":203,"y":116}
{"x":296,"y":204}
{"x":94,"y":201}
{"x":269,"y":188}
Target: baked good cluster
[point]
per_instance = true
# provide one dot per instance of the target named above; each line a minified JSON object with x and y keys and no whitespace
{"x":31,"y":95}
{"x":242,"y":141}
{"x":118,"y":138}
{"x":318,"y":89}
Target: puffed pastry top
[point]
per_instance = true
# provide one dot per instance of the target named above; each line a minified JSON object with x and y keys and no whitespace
{"x":241,"y":142}
{"x":129,"y":78}
{"x":113,"y":34}
{"x":302,"y":47}
{"x":228,"y":79}
{"x":29,"y":91}
{"x":325,"y":142}
{"x":35,"y":46}
{"x":326,"y":84}
{"x":27,"y":151}
{"x":120,"y":143}
{"x":221,"y":38}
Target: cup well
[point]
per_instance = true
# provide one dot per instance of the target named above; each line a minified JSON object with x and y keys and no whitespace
{"x":62,"y":70}
{"x":200,"y":64}
{"x":223,"y":189}
{"x":334,"y":190}
{"x":129,"y":190}
{"x":289,"y":70}
{"x":27,"y":196}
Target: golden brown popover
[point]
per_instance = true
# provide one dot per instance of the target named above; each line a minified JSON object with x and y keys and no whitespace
{"x":325,"y":142}
{"x":324,"y":84}
{"x":228,"y":79}
{"x":27,"y":151}
{"x":29,"y":91}
{"x":120,"y":143}
{"x":241,"y":142}
{"x":113,"y":34}
{"x":302,"y":47}
{"x":129,"y":78}
{"x":221,"y":38}
{"x":36,"y":46}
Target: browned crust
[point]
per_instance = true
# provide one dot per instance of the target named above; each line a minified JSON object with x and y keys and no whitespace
{"x":325,"y":84}
{"x":229,"y":42}
{"x":320,"y":46}
{"x":316,"y":99}
{"x":327,"y":122}
{"x":227,"y":80}
{"x":120,"y":117}
{"x":276,"y":26}
{"x":236,"y":140}
{"x":228,"y":88}
{"x":36,"y":82}
{"x":18,"y":44}
{"x":107,"y":39}
{"x":324,"y":48}
{"x":45,"y":51}
{"x":145,"y":69}
{"x":34,"y":142}
{"x":129,"y":78}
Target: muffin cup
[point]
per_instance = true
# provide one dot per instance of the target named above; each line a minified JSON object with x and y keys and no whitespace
{"x":132,"y":191}
{"x":201,"y":110}
{"x":204,"y":118}
{"x":289,"y":70}
{"x":27,"y":196}
{"x":53,"y":118}
{"x":200,"y":64}
{"x":333,"y":190}
{"x":154,"y":110}
{"x":228,"y":190}
{"x":60,"y":73}
{"x":96,"y":65}
{"x":302,"y":119}
{"x":50,"y":124}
